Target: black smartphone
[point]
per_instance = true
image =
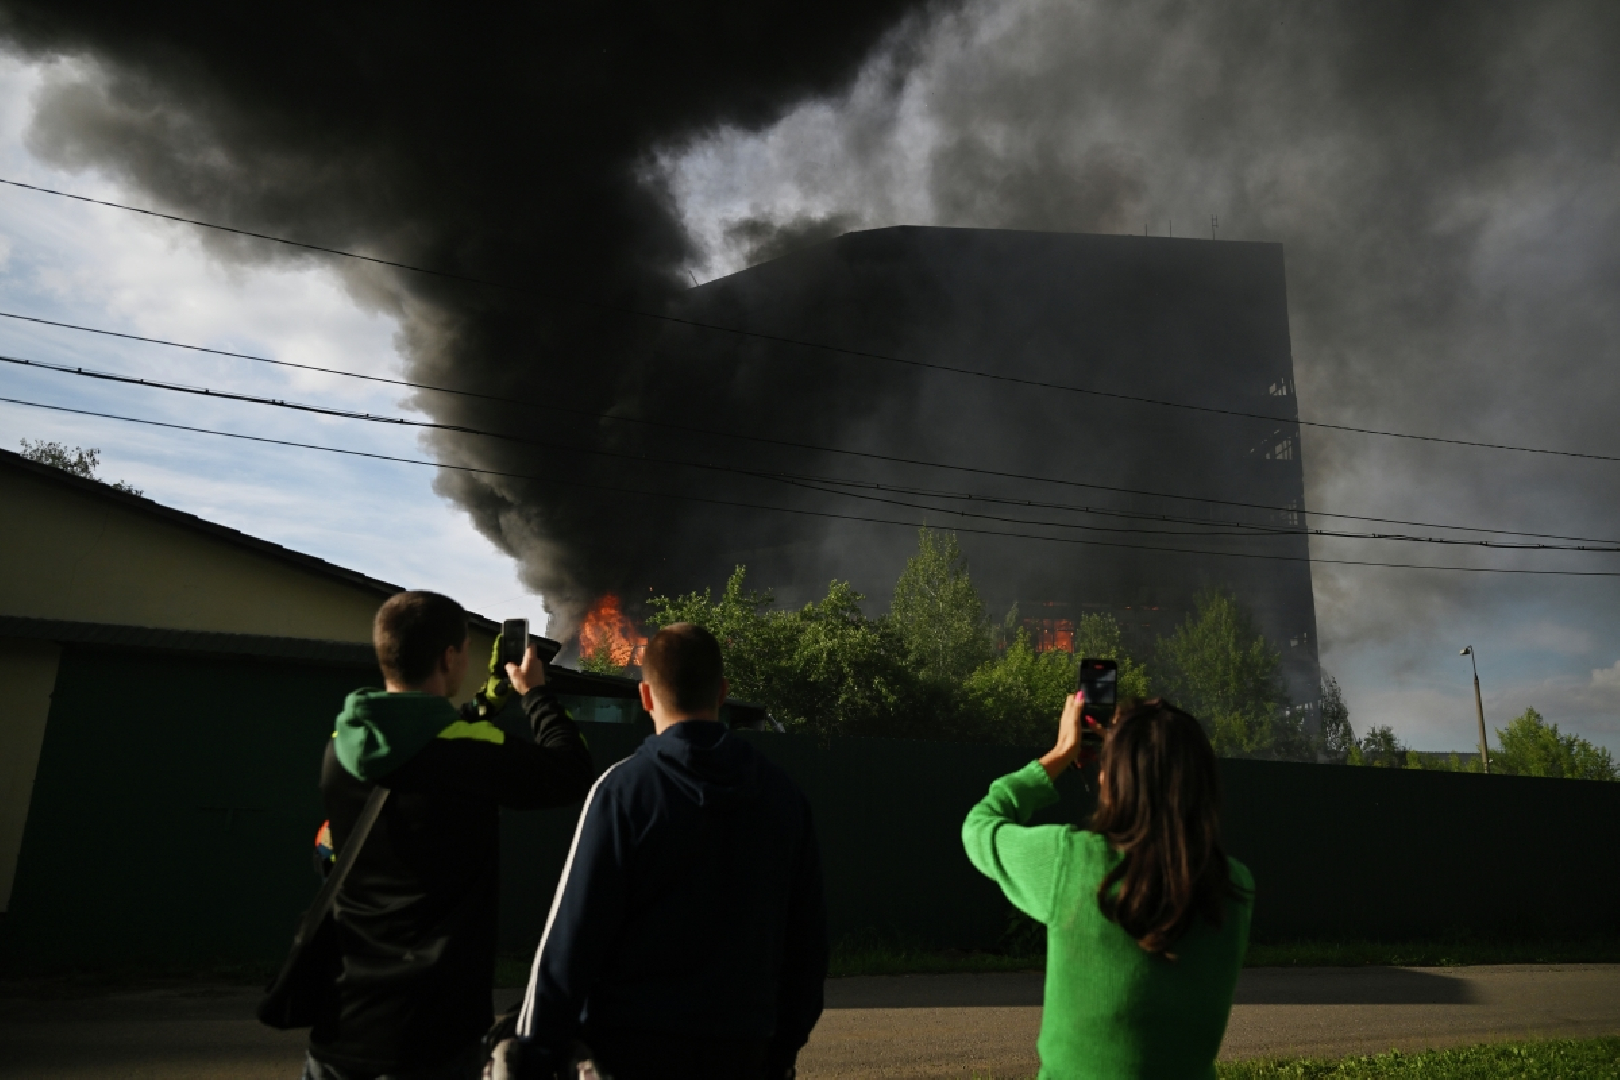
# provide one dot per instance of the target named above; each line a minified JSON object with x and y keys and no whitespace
{"x":514,"y":641}
{"x":1099,"y":681}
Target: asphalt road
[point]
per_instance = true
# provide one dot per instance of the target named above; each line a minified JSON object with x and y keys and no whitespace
{"x":921,"y":1026}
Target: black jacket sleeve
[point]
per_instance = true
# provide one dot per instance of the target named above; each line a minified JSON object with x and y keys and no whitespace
{"x":804,"y":959}
{"x":553,"y":770}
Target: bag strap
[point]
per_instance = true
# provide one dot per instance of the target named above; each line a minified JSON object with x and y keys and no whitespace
{"x":340,"y":870}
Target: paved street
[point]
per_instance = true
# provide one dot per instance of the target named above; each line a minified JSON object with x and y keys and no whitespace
{"x":920,"y":1026}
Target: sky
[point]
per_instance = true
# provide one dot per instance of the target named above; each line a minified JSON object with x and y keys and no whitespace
{"x":1445,"y":181}
{"x":110,"y":269}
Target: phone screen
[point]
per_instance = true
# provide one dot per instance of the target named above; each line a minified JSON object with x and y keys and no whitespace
{"x":514,"y":640}
{"x":1099,"y":679}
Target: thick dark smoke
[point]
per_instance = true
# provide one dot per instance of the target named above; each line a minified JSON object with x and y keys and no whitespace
{"x":1445,"y":178}
{"x":506,"y":142}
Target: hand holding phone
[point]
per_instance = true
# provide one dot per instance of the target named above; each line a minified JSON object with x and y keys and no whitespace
{"x":514,"y":642}
{"x":1099,"y":691}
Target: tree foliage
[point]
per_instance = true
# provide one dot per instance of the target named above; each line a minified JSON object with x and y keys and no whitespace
{"x":601,"y":662}
{"x":938,"y":613}
{"x":1335,"y":737}
{"x":1381,"y":747}
{"x":1533,"y":747}
{"x":1099,"y":635}
{"x":78,"y":461}
{"x":1219,"y":667}
{"x":1016,"y":698}
{"x":824,"y":669}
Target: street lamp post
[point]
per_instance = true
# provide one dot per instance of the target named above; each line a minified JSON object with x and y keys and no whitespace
{"x":1479,"y":708}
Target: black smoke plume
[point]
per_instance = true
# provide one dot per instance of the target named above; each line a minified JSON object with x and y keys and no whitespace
{"x":1445,"y":180}
{"x":512,"y":143}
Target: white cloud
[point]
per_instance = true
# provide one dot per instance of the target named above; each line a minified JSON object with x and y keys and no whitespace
{"x":106,"y":268}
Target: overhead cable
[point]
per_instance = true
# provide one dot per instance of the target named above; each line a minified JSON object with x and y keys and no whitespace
{"x":775,"y":476}
{"x":803,"y":512}
{"x":782,"y":339}
{"x":792,"y":444}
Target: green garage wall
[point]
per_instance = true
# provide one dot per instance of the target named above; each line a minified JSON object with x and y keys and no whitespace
{"x":177,"y":827}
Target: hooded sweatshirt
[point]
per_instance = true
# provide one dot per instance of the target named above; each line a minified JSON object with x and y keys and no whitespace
{"x":417,"y":915}
{"x":691,"y":905}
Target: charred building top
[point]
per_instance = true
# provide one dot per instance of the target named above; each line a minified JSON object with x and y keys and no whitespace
{"x":1065,"y":502}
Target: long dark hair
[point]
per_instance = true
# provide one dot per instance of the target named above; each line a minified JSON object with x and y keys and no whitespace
{"x":1159,"y":807}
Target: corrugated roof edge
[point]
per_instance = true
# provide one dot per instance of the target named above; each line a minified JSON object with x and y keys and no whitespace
{"x":68,"y":632}
{"x":560,"y":680}
{"x":141,"y":503}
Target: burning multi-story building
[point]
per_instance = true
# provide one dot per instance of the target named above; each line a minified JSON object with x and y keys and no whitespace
{"x":1065,"y":502}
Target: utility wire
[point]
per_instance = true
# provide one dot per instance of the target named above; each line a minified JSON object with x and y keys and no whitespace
{"x":799,"y":511}
{"x":1136,"y":515}
{"x":255,"y":235}
{"x":776,"y":476}
{"x":791,"y":444}
{"x":1265,"y":531}
{"x":840,"y":349}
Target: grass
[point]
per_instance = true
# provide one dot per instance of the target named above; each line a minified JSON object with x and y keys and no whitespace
{"x":1588,"y":1059}
{"x":1556,"y":1059}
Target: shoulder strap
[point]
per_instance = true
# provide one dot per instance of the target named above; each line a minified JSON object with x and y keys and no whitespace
{"x":340,"y":870}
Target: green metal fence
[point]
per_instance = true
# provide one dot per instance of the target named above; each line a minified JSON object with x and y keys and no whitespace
{"x":176,"y":800}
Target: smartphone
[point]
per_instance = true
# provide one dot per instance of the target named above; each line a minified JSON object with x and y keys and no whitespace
{"x":1099,"y":681}
{"x":514,"y":641}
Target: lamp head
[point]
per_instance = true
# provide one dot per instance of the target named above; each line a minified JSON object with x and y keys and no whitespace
{"x":1467,"y":650}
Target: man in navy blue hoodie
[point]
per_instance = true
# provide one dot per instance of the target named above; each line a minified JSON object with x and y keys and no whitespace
{"x":688,"y":936}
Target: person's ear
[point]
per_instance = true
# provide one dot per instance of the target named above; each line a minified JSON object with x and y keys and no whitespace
{"x":725,"y":692}
{"x":646,"y":697}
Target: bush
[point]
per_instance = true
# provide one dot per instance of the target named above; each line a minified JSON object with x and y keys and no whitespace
{"x":1219,"y":667}
{"x":1533,"y":747}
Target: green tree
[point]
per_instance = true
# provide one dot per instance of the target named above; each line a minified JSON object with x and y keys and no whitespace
{"x":601,"y":661}
{"x":1016,"y":698}
{"x":825,"y":669}
{"x":1218,"y":666}
{"x":1533,"y":747}
{"x":1336,"y":737}
{"x":78,"y":461}
{"x":1098,"y":635}
{"x":938,"y":613}
{"x":1381,"y":747}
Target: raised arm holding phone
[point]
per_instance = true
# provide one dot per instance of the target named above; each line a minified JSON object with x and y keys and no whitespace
{"x":1147,"y":918}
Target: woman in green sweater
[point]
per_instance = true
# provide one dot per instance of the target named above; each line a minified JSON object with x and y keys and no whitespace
{"x":1147,"y":919}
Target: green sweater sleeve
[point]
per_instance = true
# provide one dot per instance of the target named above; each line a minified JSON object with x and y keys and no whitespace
{"x":1026,"y":862}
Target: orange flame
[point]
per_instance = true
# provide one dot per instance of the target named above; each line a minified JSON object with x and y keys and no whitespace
{"x":1050,"y":634}
{"x":607,"y":627}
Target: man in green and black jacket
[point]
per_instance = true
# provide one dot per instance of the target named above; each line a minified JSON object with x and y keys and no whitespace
{"x":417,"y":914}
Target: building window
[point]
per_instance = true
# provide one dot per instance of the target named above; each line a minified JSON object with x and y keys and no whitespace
{"x":1049,"y":635}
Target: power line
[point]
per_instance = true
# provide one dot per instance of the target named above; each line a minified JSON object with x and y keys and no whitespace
{"x":799,"y":511}
{"x":841,"y":349}
{"x":254,"y":235}
{"x":1149,"y":516}
{"x":792,"y":444}
{"x":779,"y":477}
{"x":1265,"y":531}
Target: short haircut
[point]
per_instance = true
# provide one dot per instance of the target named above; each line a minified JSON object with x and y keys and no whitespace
{"x":682,"y":663}
{"x":412,"y":630}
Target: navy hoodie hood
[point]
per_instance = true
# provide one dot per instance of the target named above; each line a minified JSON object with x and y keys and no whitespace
{"x":707,"y":764}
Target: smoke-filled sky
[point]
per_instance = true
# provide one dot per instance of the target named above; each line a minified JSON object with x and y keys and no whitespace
{"x":1445,"y":179}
